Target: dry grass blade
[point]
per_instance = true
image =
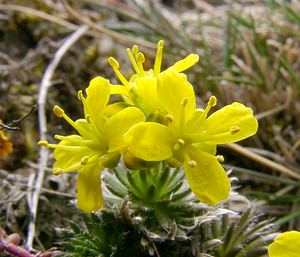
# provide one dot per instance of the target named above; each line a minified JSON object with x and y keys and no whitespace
{"x":118,"y":36}
{"x":262,"y":160}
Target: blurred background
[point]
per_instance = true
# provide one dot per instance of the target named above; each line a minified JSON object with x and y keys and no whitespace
{"x":49,"y":49}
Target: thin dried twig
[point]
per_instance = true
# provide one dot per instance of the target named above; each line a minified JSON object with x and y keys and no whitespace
{"x":45,"y":85}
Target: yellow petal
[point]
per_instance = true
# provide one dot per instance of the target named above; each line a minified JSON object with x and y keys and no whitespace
{"x":144,"y":94}
{"x":118,"y":124}
{"x":149,"y":141}
{"x":206,"y":177}
{"x":98,"y":94}
{"x":173,"y":90}
{"x":185,"y":63}
{"x":89,"y":192}
{"x":286,"y":244}
{"x":112,"y":109}
{"x":205,"y":147}
{"x":70,"y":152}
{"x":118,"y":90}
{"x":232,"y":123}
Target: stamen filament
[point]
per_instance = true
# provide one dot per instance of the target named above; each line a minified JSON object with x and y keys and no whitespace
{"x":59,"y":112}
{"x":115,"y":65}
{"x":140,"y":59}
{"x":133,"y":61}
{"x":66,"y":147}
{"x":182,"y":115}
{"x":211,"y":103}
{"x":158,"y":58}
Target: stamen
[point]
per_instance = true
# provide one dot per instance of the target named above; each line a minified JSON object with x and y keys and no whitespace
{"x":57,"y":171}
{"x":69,"y":148}
{"x":84,"y":160}
{"x":158,"y":58}
{"x":133,"y":61}
{"x":115,"y":65}
{"x":220,"y":158}
{"x":88,"y":118}
{"x":76,"y":166}
{"x":182,"y":115}
{"x":43,"y":143}
{"x":59,"y":112}
{"x":212,"y":101}
{"x":235,"y":129}
{"x":176,"y":146}
{"x":135,"y":50}
{"x":169,"y":118}
{"x":192,"y":163}
{"x":184,"y":102}
{"x":140,"y":59}
{"x":180,"y":141}
{"x":80,"y":95}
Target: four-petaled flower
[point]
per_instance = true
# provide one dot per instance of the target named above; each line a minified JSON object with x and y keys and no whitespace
{"x":189,"y":137}
{"x":97,"y":145}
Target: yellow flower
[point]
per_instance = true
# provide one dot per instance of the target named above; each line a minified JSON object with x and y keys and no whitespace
{"x":97,"y":145}
{"x":286,"y":244}
{"x":141,"y":89}
{"x":6,"y":146}
{"x":189,"y":137}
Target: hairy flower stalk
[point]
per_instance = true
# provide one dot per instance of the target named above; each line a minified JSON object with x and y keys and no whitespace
{"x":141,"y":89}
{"x":189,"y":136}
{"x":97,"y":145}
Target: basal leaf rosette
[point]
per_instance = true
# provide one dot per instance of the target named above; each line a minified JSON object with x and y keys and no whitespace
{"x":97,"y":145}
{"x":141,"y":89}
{"x":189,"y":136}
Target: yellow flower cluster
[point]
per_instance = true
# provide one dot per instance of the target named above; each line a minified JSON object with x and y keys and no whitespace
{"x":158,"y":121}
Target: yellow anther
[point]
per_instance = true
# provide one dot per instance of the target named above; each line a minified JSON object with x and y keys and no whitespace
{"x":113,"y":62}
{"x":59,"y":112}
{"x":140,"y":57}
{"x":176,"y":146}
{"x":184,"y":101}
{"x":212,"y":101}
{"x":169,"y":118}
{"x":180,"y":141}
{"x":57,"y":171}
{"x":135,"y":50}
{"x":88,"y":118}
{"x":84,"y":160}
{"x":80,"y":95}
{"x":43,"y":143}
{"x":234,"y":129}
{"x":220,"y":158}
{"x":192,"y":163}
{"x":160,"y":43}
